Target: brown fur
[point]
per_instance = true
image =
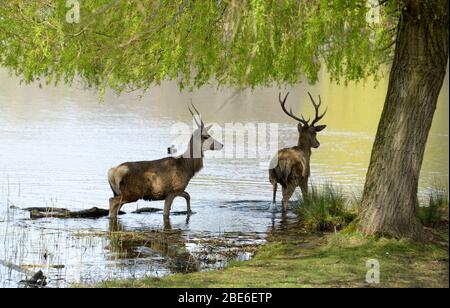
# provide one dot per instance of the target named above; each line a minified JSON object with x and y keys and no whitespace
{"x":163,"y":179}
{"x":292,"y":167}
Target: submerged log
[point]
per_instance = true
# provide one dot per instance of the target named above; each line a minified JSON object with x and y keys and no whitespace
{"x":48,"y":212}
{"x":146,"y":210}
{"x":46,"y":209}
{"x":15,"y":267}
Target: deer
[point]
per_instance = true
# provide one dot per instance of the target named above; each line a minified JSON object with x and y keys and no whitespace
{"x":291,"y":167}
{"x":163,"y":179}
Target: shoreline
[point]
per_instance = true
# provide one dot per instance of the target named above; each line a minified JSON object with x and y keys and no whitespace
{"x":293,"y":258}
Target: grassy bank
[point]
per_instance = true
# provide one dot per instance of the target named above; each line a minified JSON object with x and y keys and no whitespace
{"x":320,"y":261}
{"x":297,"y":255}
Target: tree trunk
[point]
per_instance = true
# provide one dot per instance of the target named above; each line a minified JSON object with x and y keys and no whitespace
{"x":418,"y":70}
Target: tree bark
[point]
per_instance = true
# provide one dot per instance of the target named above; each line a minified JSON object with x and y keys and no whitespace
{"x":417,"y":74}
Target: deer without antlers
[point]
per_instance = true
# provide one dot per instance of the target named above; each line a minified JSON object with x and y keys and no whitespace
{"x":291,"y":168}
{"x":163,"y":179}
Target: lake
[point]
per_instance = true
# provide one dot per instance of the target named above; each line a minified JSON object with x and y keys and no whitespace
{"x":57,"y":144}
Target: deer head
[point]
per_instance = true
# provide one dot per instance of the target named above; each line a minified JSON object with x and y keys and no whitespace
{"x":307,"y":132}
{"x":201,"y":140}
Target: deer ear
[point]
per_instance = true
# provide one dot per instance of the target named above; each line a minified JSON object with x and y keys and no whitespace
{"x":320,"y":128}
{"x":300,"y":126}
{"x":207,"y":128}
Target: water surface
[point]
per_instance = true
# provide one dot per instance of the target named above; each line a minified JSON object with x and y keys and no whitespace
{"x":56,"y":145}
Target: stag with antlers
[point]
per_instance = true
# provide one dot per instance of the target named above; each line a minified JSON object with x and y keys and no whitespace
{"x":163,"y":179}
{"x":291,"y":166}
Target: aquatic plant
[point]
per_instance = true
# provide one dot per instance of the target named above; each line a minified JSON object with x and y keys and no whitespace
{"x":436,"y":211}
{"x":325,"y":209}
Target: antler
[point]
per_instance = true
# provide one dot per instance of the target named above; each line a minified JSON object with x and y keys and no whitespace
{"x":290,"y":113}
{"x":317,"y":118}
{"x":194,"y":116}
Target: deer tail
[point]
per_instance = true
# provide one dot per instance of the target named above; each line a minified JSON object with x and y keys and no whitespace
{"x":283,"y":172}
{"x":115,"y":187}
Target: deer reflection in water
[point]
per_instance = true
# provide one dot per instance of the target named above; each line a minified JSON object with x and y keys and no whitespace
{"x":167,"y":243}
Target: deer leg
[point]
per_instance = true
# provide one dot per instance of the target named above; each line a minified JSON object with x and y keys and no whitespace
{"x":275,"y":187}
{"x":168,"y":204}
{"x":115,"y":226}
{"x":304,"y":187}
{"x":287,"y":193}
{"x":114,"y":206}
{"x":186,"y":196}
{"x":274,"y":200}
{"x":167,"y":225}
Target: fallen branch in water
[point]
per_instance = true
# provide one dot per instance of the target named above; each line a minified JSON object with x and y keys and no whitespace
{"x":146,"y":210}
{"x":49,"y":212}
{"x":15,"y":267}
{"x":46,"y":209}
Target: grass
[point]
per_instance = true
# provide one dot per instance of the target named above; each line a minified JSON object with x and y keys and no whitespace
{"x":337,"y":261}
{"x":297,"y":256}
{"x":325,"y":209}
{"x":436,"y":211}
{"x":328,"y":209}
